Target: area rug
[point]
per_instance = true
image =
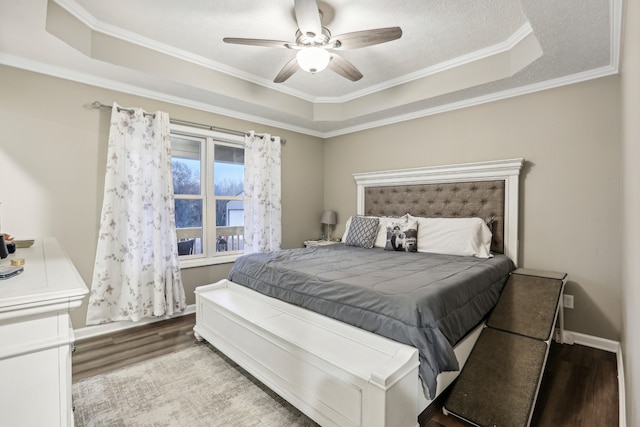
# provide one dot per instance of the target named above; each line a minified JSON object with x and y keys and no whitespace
{"x":197,"y":386}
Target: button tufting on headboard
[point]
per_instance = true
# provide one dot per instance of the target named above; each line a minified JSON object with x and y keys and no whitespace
{"x":467,"y":199}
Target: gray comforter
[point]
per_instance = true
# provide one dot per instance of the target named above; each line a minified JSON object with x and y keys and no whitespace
{"x":428,"y":301}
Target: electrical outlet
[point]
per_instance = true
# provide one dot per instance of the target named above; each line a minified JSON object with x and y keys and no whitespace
{"x":567,"y":301}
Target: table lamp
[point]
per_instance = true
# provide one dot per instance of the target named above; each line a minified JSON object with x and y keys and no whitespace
{"x":328,"y":219}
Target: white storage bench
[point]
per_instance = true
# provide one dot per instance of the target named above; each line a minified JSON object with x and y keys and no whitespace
{"x":337,"y":374}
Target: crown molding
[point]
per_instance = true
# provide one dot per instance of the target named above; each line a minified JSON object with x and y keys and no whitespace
{"x":615,"y":13}
{"x":78,"y":77}
{"x":523,"y":90}
{"x":94,"y":24}
{"x":524,"y":31}
{"x":38,"y":67}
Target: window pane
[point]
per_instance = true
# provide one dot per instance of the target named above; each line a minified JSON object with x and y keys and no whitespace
{"x":230,"y":225}
{"x":228,"y":171}
{"x":189,"y":226}
{"x":229,"y":213}
{"x":185,"y":164}
{"x":188,"y":213}
{"x":190,"y":246}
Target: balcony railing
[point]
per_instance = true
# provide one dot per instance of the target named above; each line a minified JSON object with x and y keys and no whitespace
{"x":228,"y":239}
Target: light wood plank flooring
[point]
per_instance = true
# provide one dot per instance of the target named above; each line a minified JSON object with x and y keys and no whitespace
{"x":579,"y":387}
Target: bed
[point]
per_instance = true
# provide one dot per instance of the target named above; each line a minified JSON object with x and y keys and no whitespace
{"x":340,"y":345}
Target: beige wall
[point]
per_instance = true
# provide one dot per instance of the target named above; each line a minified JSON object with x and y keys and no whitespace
{"x":570,"y":192}
{"x":52,"y":160}
{"x":53,"y":152}
{"x":631,"y":209}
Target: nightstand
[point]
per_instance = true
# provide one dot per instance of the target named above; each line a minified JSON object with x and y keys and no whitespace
{"x":309,"y":243}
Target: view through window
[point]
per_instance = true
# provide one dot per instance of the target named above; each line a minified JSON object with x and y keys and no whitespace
{"x":208,"y":180}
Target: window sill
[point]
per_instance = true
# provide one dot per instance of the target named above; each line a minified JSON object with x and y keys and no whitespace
{"x":202,"y":262}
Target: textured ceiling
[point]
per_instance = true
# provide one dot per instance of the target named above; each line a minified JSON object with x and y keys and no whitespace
{"x":453,"y":53}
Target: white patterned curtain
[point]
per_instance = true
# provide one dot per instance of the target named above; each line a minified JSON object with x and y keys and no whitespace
{"x":137,"y":272}
{"x":262,"y":206}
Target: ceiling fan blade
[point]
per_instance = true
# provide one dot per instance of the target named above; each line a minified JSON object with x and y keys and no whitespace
{"x":257,"y":42}
{"x":343,"y":67}
{"x":365,"y":38}
{"x":308,"y":17}
{"x":287,"y":71}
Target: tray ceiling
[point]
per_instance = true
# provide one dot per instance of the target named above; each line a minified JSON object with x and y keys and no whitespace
{"x":452,"y":54}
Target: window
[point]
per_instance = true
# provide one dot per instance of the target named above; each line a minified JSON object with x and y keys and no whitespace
{"x":208,"y":181}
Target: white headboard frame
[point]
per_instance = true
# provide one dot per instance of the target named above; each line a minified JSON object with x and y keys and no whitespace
{"x":507,"y":170}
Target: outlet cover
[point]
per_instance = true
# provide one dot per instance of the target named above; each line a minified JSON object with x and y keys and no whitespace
{"x":567,"y":301}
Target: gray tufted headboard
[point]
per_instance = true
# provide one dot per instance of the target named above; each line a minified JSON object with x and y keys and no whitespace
{"x":488,"y":190}
{"x":483,"y":199}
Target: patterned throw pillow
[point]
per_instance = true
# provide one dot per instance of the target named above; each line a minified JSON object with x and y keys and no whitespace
{"x":362,"y":232}
{"x":402,"y":235}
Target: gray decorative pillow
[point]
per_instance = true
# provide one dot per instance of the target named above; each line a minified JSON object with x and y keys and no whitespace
{"x":402,"y":235}
{"x":362,"y":232}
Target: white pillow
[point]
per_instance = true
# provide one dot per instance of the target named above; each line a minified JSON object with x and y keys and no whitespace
{"x":346,"y":229}
{"x":454,"y":236}
{"x":381,"y":237}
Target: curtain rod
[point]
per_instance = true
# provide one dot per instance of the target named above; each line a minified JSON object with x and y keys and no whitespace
{"x":98,"y":104}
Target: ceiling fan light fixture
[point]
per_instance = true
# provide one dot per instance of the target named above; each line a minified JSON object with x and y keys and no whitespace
{"x":313,"y":41}
{"x":313,"y":59}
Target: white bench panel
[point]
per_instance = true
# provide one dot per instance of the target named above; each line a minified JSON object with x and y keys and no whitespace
{"x":335,"y":373}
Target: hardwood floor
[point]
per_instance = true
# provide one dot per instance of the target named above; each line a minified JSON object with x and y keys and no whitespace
{"x":579,"y":387}
{"x":102,"y":354}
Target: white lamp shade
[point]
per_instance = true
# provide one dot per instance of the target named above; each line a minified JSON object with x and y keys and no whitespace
{"x":313,"y":59}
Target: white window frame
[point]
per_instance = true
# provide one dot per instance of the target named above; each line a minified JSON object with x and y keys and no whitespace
{"x":211,"y":138}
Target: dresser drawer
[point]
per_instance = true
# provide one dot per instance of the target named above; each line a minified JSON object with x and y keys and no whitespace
{"x":31,"y":334}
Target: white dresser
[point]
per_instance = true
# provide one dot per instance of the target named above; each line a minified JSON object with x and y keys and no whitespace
{"x":36,"y":337}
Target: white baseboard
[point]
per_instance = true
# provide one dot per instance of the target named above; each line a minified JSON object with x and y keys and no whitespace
{"x":622,"y":396}
{"x":107,"y":328}
{"x":610,"y":346}
{"x":591,"y":341}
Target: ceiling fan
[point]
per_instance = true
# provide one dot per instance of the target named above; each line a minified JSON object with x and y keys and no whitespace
{"x":316,"y":46}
